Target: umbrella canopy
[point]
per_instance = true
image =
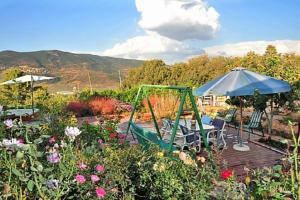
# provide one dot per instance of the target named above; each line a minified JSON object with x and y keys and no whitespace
{"x":27,"y":78}
{"x":242,"y":82}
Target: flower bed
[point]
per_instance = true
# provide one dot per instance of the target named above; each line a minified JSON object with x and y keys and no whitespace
{"x":96,"y":162}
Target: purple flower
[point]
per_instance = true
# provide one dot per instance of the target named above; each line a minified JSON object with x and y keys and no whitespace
{"x":52,"y":184}
{"x":53,"y":157}
{"x":9,"y":123}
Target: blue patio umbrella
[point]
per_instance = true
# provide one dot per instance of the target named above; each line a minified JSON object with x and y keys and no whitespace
{"x":242,"y":82}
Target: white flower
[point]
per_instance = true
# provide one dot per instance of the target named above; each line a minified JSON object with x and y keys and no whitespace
{"x":72,"y":132}
{"x":63,"y":144}
{"x":1,"y":108}
{"x":56,"y":146}
{"x":12,"y":144}
{"x":9,"y":123}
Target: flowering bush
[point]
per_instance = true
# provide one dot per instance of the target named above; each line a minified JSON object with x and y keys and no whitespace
{"x":89,"y":163}
{"x":102,"y":105}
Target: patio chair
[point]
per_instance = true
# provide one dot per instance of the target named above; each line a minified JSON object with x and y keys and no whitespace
{"x":167,"y":126}
{"x":216,"y":136}
{"x":190,"y":138}
{"x":230,"y":117}
{"x":254,"y":123}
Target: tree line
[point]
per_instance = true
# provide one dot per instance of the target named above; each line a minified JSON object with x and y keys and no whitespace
{"x":199,"y":70}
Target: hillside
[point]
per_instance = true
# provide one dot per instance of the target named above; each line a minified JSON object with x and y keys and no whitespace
{"x":72,"y":69}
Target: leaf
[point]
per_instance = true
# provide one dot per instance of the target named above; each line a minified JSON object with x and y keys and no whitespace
{"x":38,"y":141}
{"x":23,"y":179}
{"x":30,"y":185}
{"x":277,"y":168}
{"x":16,"y":172}
{"x":33,"y":169}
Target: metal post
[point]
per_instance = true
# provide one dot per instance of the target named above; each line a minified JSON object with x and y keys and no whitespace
{"x":133,"y":110}
{"x":32,"y":103}
{"x":194,"y":106}
{"x":153,"y":116}
{"x":174,"y":130}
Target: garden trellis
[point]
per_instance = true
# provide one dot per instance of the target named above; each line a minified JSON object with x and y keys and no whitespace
{"x":184,"y":93}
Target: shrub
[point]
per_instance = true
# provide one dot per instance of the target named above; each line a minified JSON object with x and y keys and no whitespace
{"x":163,"y":105}
{"x":103,"y":105}
{"x":79,"y":108}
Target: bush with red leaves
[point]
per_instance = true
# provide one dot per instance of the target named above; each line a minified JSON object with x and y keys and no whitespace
{"x":103,"y":105}
{"x":79,"y":108}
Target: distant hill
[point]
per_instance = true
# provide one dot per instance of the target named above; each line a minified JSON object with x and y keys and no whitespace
{"x":71,"y":68}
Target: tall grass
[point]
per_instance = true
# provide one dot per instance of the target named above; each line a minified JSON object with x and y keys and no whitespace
{"x":163,"y":105}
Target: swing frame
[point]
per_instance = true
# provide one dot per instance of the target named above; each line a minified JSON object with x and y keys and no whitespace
{"x":184,"y":93}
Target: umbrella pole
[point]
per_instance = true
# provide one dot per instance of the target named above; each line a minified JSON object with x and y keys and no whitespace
{"x":240,"y":146}
{"x":241,"y":122}
{"x":32,"y":105}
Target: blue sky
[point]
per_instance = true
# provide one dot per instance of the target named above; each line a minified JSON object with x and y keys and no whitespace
{"x":97,"y":25}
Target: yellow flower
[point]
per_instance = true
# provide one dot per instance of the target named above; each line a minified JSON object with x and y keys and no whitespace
{"x":201,"y":159}
{"x":160,"y":154}
{"x":247,"y":180}
{"x":182,"y":156}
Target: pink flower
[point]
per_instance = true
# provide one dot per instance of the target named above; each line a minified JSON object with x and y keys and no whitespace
{"x":21,"y":140}
{"x":82,"y":166}
{"x":100,"y":168}
{"x":52,"y":140}
{"x":122,"y":136}
{"x":100,"y":193}
{"x":100,"y":141}
{"x":95,"y":178}
{"x":80,"y":179}
{"x":53,"y":157}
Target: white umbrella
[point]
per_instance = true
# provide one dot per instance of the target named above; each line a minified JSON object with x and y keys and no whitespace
{"x":25,"y":79}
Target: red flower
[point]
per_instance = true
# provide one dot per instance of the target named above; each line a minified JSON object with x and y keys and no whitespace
{"x":109,"y":129}
{"x":113,"y":135}
{"x":226,"y":174}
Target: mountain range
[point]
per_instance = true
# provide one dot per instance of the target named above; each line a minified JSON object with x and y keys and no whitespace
{"x":72,"y":69}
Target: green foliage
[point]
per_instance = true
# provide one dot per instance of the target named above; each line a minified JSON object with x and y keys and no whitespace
{"x":13,"y":94}
{"x":124,"y":95}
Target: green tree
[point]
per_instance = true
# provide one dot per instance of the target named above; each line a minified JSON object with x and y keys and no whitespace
{"x":13,"y":94}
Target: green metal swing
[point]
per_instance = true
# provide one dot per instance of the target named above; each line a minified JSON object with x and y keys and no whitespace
{"x":145,"y":137}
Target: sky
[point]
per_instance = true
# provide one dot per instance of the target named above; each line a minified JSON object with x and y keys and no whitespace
{"x":172,"y":30}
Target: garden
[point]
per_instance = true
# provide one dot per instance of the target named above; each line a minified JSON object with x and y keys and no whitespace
{"x":75,"y":147}
{"x":57,"y":159}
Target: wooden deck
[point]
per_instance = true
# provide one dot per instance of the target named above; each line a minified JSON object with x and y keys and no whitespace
{"x":258,"y":156}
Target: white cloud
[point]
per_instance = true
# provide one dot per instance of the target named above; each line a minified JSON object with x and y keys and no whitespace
{"x":242,"y":48}
{"x":152,"y":46}
{"x":170,"y":27}
{"x":179,"y":19}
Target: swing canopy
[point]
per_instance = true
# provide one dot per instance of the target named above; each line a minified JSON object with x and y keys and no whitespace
{"x":145,"y":137}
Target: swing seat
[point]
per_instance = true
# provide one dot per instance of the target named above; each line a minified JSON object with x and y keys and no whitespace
{"x":145,"y":137}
